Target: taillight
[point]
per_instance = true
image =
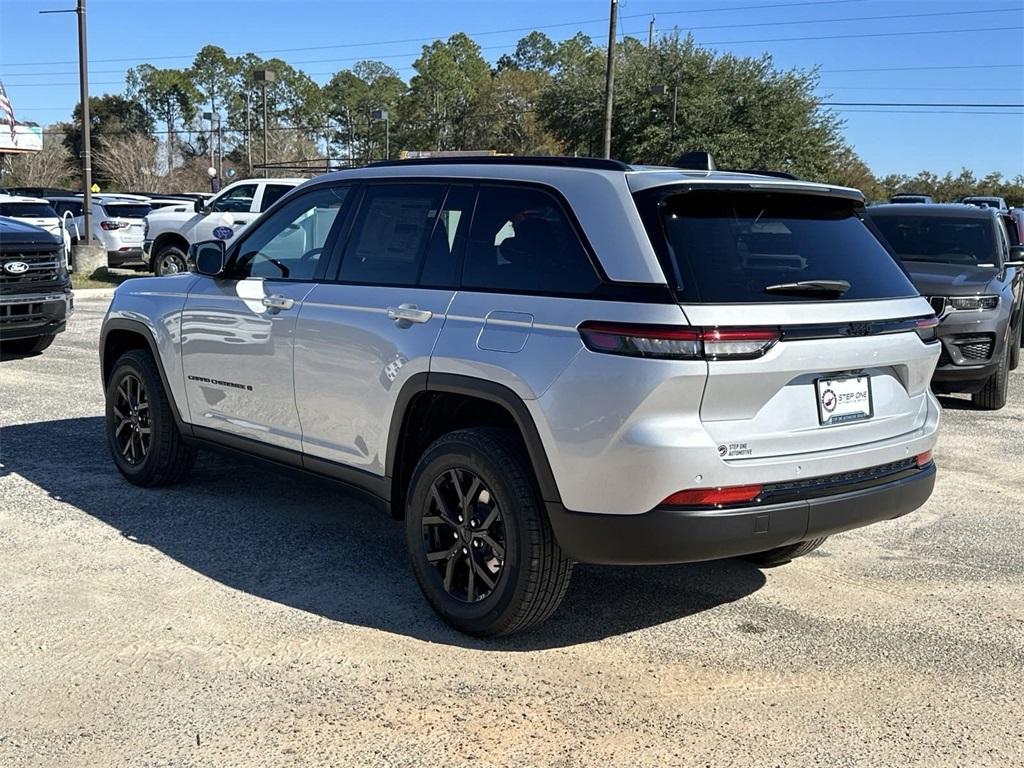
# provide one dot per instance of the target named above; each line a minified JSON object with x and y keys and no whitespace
{"x":676,"y":343}
{"x":924,"y":459}
{"x":713,"y":497}
{"x":925,"y":328}
{"x":111,"y":225}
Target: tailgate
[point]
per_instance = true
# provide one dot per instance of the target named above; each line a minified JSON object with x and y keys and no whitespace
{"x":785,"y":402}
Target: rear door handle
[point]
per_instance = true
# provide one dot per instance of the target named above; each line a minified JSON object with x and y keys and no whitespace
{"x":405,"y":314}
{"x":278,"y":302}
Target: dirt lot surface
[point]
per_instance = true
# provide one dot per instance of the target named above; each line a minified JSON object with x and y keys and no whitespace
{"x":249,"y":618}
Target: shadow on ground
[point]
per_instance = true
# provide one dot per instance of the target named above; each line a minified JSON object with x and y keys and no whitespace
{"x":313,"y":546}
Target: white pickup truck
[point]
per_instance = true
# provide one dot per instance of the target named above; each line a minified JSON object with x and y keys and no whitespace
{"x":172,"y":229}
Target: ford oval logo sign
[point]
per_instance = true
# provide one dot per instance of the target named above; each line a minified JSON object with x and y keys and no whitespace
{"x":223,"y":233}
{"x":16,"y":267}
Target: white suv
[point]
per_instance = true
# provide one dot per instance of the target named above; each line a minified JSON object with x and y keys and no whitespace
{"x":170,"y":230}
{"x":535,"y":361}
{"x":117,"y":224}
{"x":38,"y":212}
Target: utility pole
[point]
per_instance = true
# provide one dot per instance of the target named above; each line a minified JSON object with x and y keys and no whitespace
{"x":609,"y":78}
{"x":83,"y":84}
{"x":650,"y":34}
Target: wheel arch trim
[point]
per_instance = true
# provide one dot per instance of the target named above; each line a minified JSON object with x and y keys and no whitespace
{"x":484,"y":390}
{"x":142,"y":330}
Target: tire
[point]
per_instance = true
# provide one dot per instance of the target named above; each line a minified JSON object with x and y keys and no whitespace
{"x":782,"y":555}
{"x":165,"y":458}
{"x":32,"y":346}
{"x":170,"y":261}
{"x":1015,"y":341}
{"x":992,"y":396}
{"x":529,"y":575}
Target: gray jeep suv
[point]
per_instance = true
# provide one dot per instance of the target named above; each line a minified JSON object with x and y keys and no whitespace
{"x":536,"y":361}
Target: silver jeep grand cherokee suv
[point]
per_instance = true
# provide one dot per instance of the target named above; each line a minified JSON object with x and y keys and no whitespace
{"x":536,"y":361}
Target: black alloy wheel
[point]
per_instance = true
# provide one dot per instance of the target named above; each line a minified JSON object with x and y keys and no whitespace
{"x":133,"y":427}
{"x":464,"y":535}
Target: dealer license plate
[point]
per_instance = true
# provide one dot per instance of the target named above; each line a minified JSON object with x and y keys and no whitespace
{"x":843,"y":399}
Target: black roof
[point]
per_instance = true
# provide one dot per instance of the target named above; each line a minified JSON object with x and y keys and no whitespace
{"x":947,"y":210}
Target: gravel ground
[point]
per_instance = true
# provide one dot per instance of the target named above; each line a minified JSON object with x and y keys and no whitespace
{"x":248,"y":618}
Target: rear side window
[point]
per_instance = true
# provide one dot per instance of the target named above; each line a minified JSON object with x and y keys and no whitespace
{"x":941,"y":239}
{"x":62,"y":207}
{"x":272,"y":193}
{"x":27,"y":210}
{"x":390,"y":234}
{"x":126,"y":210}
{"x":727,"y":246}
{"x":522,"y":240}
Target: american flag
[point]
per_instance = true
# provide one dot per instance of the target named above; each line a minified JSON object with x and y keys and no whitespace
{"x":7,"y":113}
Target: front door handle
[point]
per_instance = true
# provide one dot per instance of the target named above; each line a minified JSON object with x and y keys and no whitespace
{"x":406,"y":314}
{"x":278,"y":302}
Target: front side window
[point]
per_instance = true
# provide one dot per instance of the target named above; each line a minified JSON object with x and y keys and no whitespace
{"x":390,"y":234}
{"x":735,"y":246}
{"x":236,"y":200}
{"x":940,"y":239}
{"x":272,"y":193}
{"x":290,"y":244}
{"x":522,"y":240}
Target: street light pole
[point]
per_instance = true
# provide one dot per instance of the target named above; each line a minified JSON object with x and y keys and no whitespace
{"x":264,"y":77}
{"x":382,"y":114}
{"x":609,"y":78}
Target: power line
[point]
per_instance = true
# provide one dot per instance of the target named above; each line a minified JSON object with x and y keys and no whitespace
{"x":915,"y":69}
{"x":918,"y":104}
{"x":602,"y":20}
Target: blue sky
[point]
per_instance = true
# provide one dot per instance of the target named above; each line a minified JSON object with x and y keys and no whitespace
{"x":38,"y":53}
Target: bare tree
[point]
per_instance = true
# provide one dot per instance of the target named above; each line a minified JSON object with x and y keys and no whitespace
{"x":130,"y":162}
{"x":50,"y":167}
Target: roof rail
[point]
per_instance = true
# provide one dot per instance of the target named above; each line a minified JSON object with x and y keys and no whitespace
{"x":593,"y":163}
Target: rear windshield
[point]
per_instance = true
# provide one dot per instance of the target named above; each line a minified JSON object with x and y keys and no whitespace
{"x":946,"y":240}
{"x":727,"y":246}
{"x":28,"y":210}
{"x":127,"y":210}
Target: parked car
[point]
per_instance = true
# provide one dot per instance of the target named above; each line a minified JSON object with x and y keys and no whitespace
{"x":118,"y":222}
{"x":908,"y":198}
{"x":39,"y":213}
{"x":998,"y":203}
{"x":536,"y":361}
{"x":35,"y":289}
{"x":171,"y":230}
{"x":968,"y":262}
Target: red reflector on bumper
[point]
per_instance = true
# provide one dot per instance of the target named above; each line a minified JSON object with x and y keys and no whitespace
{"x":713,"y":497}
{"x":924,"y":459}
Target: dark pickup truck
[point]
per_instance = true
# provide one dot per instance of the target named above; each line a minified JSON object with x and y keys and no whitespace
{"x":35,"y":288}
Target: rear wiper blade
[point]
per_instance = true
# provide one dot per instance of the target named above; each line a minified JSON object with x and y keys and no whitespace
{"x":830,"y":287}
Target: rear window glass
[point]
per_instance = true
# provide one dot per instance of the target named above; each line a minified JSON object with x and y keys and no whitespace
{"x":28,"y":210}
{"x":946,"y":240}
{"x":127,"y":210}
{"x":724,"y":246}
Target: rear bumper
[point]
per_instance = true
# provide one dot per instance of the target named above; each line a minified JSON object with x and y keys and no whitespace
{"x":123,"y":257}
{"x":30,"y":316}
{"x":679,"y":536}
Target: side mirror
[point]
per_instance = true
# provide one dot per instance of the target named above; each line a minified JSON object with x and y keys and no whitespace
{"x":198,"y":206}
{"x":207,"y":258}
